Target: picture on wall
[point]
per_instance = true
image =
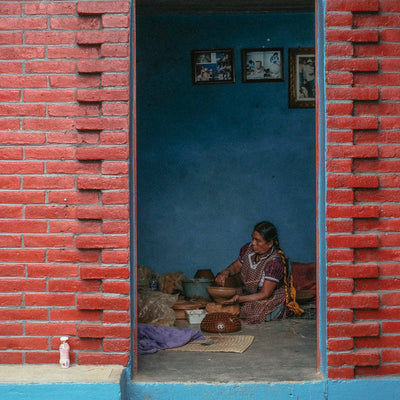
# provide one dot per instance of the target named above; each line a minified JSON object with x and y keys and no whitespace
{"x":262,"y":65}
{"x":213,"y":66}
{"x":302,"y":78}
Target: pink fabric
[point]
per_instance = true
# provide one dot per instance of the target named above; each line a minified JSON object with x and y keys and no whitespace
{"x":304,"y":276}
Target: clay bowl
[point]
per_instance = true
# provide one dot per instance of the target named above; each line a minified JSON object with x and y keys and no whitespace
{"x":221,"y":293}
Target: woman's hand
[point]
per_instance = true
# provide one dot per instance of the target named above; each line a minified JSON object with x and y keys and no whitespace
{"x":233,"y":300}
{"x":221,"y":277}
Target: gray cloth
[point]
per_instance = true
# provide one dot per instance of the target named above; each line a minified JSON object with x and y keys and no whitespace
{"x":152,"y":338}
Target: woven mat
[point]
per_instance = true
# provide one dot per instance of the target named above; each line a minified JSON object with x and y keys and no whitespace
{"x":224,"y":344}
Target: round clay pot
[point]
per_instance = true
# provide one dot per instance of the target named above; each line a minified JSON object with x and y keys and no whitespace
{"x":221,"y":293}
{"x":204,"y":274}
{"x":220,"y":323}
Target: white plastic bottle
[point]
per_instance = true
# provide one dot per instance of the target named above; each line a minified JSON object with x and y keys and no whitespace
{"x":64,"y":352}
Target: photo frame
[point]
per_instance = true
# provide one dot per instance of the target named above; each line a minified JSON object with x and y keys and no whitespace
{"x":262,"y":65}
{"x":213,"y":66}
{"x":302,"y":78}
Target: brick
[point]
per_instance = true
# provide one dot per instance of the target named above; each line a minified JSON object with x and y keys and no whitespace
{"x":102,"y":359}
{"x":9,"y":8}
{"x":96,"y":7}
{"x":354,"y":151}
{"x":339,"y":109}
{"x":50,"y":8}
{"x":70,"y":53}
{"x":114,"y":50}
{"x":341,"y":373}
{"x":99,"y":272}
{"x":389,"y":35}
{"x":378,"y":225}
{"x":102,"y":153}
{"x":10,"y":241}
{"x":390,"y":326}
{"x":390,"y":122}
{"x":23,"y":343}
{"x":75,"y":226}
{"x":100,"y":66}
{"x":23,"y":314}
{"x":389,"y":239}
{"x":50,"y":67}
{"x":354,"y":93}
{"x":352,"y":5}
{"x":102,"y":242}
{"x":389,"y":270}
{"x":10,"y":212}
{"x":340,"y":255}
{"x":115,"y":109}
{"x":71,"y":255}
{"x":113,"y":138}
{"x":23,"y":24}
{"x":115,"y":227}
{"x":21,"y":226}
{"x":73,"y":285}
{"x":338,"y":20}
{"x":98,"y":212}
{"x":339,"y":78}
{"x":102,"y":183}
{"x":359,"y":358}
{"x":386,"y":79}
{"x":99,"y":331}
{"x":68,"y":314}
{"x":10,"y":95}
{"x":116,"y":345}
{"x":390,"y":299}
{"x":121,"y":79}
{"x":37,"y":81}
{"x":49,"y":299}
{"x":98,"y":302}
{"x":340,"y":316}
{"x":353,"y":241}
{"x":116,"y":317}
{"x":115,"y":256}
{"x":14,"y":328}
{"x":390,"y":356}
{"x":23,"y":255}
{"x":53,"y":270}
{"x":115,"y":21}
{"x":49,"y":328}
{"x":98,"y":124}
{"x":49,"y":38}
{"x":390,"y":65}
{"x":72,"y":167}
{"x":377,"y":166}
{"x":22,"y":168}
{"x":74,"y":23}
{"x":10,"y":182}
{"x":100,"y":37}
{"x":78,"y":110}
{"x":352,"y":35}
{"x":390,"y":181}
{"x":353,"y":271}
{"x":339,"y":226}
{"x":361,"y":211}
{"x":50,"y":153}
{"x":48,"y":182}
{"x":98,"y":95}
{"x":67,"y":81}
{"x":10,"y":270}
{"x":353,"y":301}
{"x":356,"y":329}
{"x":391,"y":313}
{"x":378,"y":342}
{"x":368,"y":255}
{"x":378,"y":284}
{"x":117,"y":197}
{"x":378,"y":50}
{"x":72,"y":197}
{"x":44,"y":357}
{"x":340,"y":285}
{"x":339,"y":196}
{"x":11,"y":358}
{"x":352,"y":181}
{"x":115,"y":168}
{"x":116,"y":287}
{"x":352,"y":122}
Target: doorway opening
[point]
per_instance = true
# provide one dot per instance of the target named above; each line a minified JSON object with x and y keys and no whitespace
{"x":213,"y":160}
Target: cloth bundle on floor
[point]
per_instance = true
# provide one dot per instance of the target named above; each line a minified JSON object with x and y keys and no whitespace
{"x":152,"y":338}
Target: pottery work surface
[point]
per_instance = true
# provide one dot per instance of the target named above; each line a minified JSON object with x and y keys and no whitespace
{"x":220,"y":294}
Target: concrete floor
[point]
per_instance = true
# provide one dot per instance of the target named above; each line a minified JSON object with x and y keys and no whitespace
{"x":282,"y":351}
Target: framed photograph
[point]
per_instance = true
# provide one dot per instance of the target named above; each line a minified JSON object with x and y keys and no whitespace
{"x":262,"y":65}
{"x":213,"y":66}
{"x":302,"y":78}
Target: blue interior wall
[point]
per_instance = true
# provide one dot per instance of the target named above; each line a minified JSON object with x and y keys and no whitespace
{"x":213,"y":160}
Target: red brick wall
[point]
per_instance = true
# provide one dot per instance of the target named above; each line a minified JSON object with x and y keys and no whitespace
{"x":64,"y":217}
{"x":363,"y":187}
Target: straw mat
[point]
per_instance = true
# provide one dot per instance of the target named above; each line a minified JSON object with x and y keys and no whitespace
{"x":224,"y":344}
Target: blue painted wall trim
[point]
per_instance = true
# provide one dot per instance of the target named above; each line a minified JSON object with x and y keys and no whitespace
{"x":61,"y":391}
{"x":385,"y":389}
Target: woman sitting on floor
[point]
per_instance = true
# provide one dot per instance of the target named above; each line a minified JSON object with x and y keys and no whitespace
{"x":267,"y":293}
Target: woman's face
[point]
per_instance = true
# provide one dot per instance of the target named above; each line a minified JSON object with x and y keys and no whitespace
{"x":260,"y":246}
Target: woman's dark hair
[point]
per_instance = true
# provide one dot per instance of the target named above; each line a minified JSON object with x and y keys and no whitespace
{"x":267,"y":231}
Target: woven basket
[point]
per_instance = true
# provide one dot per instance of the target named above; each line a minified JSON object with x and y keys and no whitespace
{"x":220,"y":323}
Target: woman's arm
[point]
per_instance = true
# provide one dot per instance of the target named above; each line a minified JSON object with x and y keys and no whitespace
{"x":232,"y":269}
{"x":265,"y":292}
